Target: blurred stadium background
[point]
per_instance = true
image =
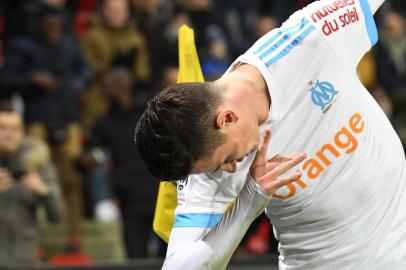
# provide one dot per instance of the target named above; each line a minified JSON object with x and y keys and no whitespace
{"x":80,"y":73}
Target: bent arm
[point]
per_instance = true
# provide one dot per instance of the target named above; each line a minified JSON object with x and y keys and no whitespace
{"x":201,"y":248}
{"x":191,"y":248}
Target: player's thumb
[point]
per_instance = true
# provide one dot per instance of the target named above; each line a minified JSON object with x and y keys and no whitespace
{"x":263,"y":147}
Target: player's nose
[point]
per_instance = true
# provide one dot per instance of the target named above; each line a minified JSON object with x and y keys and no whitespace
{"x":230,"y":167}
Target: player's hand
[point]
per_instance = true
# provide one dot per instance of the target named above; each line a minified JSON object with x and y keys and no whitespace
{"x":268,"y":173}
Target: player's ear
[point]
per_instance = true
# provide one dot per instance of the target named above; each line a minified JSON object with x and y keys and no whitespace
{"x":226,"y":118}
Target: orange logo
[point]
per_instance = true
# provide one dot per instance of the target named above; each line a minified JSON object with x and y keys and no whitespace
{"x":344,"y":142}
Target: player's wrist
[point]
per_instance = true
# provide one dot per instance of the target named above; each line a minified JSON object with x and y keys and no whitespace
{"x":258,"y":189}
{"x":252,"y":200}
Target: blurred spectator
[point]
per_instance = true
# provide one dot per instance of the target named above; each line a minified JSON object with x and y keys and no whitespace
{"x":391,"y":53}
{"x":237,"y":17}
{"x":391,"y":67}
{"x":82,"y":16}
{"x":382,"y":98}
{"x":112,"y":41}
{"x":367,"y":74}
{"x":1,"y":34}
{"x":95,"y":164}
{"x":259,"y":238}
{"x":179,"y":17}
{"x":263,"y":25}
{"x":114,"y":133}
{"x":399,"y":6}
{"x":28,"y":179}
{"x":150,"y":17}
{"x":49,"y":72}
{"x":217,"y":60}
{"x":204,"y":21}
{"x":23,"y":17}
{"x":169,"y":76}
{"x":280,"y":9}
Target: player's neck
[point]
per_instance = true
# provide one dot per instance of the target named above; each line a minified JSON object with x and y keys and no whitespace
{"x":246,"y":87}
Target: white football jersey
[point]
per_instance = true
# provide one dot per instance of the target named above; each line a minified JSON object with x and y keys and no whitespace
{"x":347,"y":210}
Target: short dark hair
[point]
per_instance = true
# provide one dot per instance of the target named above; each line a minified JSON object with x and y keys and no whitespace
{"x":177,"y":128}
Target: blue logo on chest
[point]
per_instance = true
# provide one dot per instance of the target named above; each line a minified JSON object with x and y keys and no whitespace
{"x":322,"y":94}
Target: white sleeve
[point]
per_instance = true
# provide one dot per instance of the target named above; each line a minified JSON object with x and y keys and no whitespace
{"x":375,"y":4}
{"x":347,"y":25}
{"x":211,"y":248}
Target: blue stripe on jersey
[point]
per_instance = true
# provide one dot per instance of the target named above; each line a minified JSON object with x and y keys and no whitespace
{"x":369,"y":22}
{"x":197,"y":220}
{"x":288,"y":48}
{"x":289,"y":31}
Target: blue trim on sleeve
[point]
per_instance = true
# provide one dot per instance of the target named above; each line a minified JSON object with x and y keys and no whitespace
{"x":290,"y":46}
{"x":369,"y":22}
{"x":197,"y":220}
{"x":287,"y":34}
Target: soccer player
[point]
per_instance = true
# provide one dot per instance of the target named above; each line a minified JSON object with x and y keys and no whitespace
{"x":345,"y":210}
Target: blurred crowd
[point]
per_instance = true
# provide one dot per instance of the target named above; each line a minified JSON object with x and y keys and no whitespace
{"x":75,"y":77}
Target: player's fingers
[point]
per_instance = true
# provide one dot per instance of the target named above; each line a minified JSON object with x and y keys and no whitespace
{"x":287,"y":165}
{"x":286,"y":180}
{"x":260,"y":157}
{"x":270,"y":186}
{"x":275,"y":161}
{"x":279,"y":158}
{"x":265,"y":141}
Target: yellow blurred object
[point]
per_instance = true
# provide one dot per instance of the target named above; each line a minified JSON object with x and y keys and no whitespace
{"x":189,"y":71}
{"x":165,"y":210}
{"x":367,"y":70}
{"x":189,"y":66}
